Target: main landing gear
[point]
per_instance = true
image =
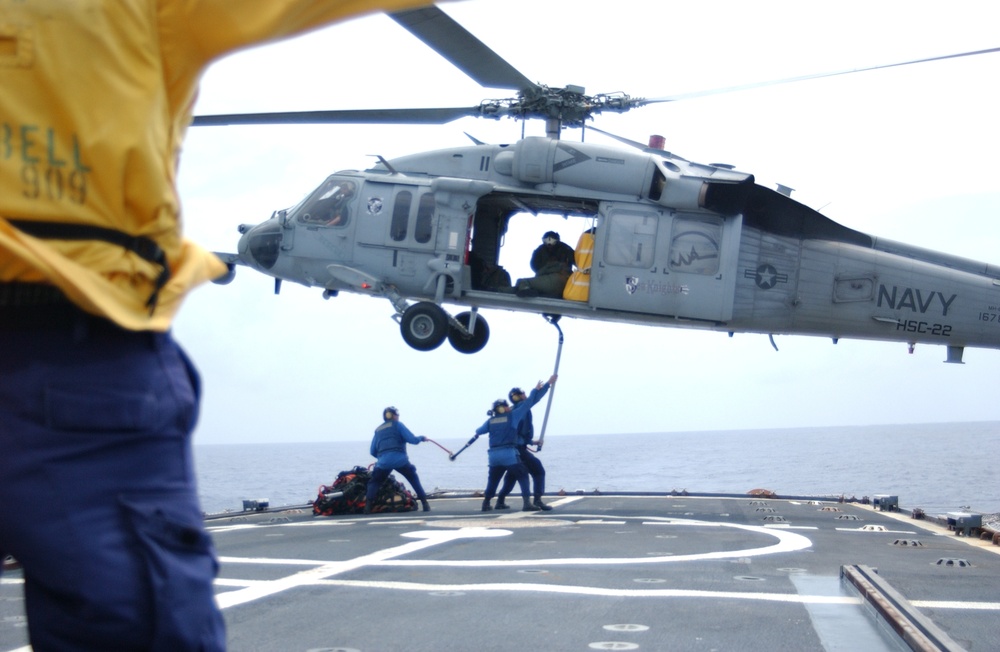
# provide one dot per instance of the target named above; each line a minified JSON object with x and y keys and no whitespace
{"x":425,"y":326}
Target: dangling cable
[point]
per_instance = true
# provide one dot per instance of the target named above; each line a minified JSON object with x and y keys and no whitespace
{"x":554,"y":320}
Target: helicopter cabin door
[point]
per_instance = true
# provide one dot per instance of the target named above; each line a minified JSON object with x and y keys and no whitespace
{"x":398,"y":229}
{"x":665,"y":263}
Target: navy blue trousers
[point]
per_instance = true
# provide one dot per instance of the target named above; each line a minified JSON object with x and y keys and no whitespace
{"x":516,"y":472}
{"x":535,"y":470}
{"x":380,"y":473}
{"x":97,"y":488}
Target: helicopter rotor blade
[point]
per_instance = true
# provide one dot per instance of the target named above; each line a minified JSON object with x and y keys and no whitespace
{"x":359,"y":116}
{"x":568,"y":106}
{"x":788,"y":80}
{"x":441,"y":33}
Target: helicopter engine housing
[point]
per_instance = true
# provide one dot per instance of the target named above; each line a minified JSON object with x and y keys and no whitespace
{"x":537,"y":161}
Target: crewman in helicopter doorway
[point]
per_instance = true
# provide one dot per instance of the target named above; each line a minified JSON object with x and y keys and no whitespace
{"x":552,"y":262}
{"x":389,"y":447}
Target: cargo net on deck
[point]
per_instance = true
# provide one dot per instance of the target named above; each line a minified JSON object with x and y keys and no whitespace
{"x":347,"y":495}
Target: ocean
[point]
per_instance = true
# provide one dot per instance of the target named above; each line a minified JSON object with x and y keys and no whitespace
{"x":937,"y":467}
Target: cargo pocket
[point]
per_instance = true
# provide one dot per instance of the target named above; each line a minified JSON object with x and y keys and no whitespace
{"x":180,"y":566}
{"x":101,"y":409}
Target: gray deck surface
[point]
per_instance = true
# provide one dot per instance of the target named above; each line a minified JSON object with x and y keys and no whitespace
{"x":610,"y":572}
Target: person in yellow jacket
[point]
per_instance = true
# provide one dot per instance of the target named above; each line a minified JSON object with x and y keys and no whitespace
{"x":97,"y":402}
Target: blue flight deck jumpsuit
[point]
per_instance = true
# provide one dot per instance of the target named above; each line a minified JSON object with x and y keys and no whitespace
{"x":533,"y":465}
{"x":389,"y":446}
{"x":502,"y":455}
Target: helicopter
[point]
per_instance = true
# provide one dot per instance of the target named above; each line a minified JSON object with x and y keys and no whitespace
{"x":675,"y":243}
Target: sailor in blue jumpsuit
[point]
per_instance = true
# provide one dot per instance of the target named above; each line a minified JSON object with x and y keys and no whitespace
{"x":526,"y":433}
{"x":389,"y":446}
{"x":502,"y":454}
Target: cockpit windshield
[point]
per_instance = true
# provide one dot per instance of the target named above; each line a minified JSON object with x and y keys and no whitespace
{"x":328,"y":205}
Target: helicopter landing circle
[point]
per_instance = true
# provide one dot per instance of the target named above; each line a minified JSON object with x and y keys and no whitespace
{"x":787,"y":541}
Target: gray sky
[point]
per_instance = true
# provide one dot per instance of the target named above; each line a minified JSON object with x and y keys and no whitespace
{"x":909,"y":154}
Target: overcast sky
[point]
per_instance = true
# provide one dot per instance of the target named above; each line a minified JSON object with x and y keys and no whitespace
{"x":909,"y":154}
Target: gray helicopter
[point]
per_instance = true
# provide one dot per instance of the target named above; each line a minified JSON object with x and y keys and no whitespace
{"x":668,"y":241}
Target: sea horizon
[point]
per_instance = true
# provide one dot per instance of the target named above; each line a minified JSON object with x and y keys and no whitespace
{"x":938,"y":467}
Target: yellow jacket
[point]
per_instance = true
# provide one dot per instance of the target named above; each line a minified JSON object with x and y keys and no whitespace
{"x":95,"y":98}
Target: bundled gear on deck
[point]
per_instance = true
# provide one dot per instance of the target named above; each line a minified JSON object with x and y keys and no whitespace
{"x":347,"y":495}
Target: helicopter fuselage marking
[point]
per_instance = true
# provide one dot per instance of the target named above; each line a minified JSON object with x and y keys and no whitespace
{"x":576,"y":156}
{"x":913,"y":299}
{"x":990,"y":315}
{"x":924,"y":328}
{"x":765,"y":276}
{"x":633,"y":284}
{"x":686,"y":260}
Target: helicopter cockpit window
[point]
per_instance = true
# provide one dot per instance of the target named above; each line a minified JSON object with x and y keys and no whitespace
{"x":400,"y":215}
{"x":631,"y":239}
{"x":330,"y":204}
{"x":425,"y":218}
{"x":695,"y":245}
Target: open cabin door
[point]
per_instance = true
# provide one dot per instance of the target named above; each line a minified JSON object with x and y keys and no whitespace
{"x":665,"y":263}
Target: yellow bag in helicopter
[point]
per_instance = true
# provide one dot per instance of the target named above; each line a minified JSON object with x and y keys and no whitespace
{"x":578,"y":286}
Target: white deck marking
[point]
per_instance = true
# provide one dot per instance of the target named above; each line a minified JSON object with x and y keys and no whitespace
{"x":327,"y":569}
{"x":598,"y":591}
{"x":787,"y":542}
{"x":951,"y":604}
{"x":256,"y":526}
{"x":322,"y":570}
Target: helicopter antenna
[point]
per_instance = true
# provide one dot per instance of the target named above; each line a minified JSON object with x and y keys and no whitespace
{"x":386,"y":163}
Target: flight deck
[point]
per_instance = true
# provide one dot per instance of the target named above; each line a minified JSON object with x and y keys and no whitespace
{"x":598,"y":572}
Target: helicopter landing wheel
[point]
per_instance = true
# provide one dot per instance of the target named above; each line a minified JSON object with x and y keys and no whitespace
{"x":469,"y":343}
{"x":424,"y":326}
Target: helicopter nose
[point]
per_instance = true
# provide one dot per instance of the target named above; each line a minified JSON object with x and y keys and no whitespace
{"x":260,"y":244}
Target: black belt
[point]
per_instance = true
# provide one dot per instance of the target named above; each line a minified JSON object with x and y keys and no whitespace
{"x":30,"y":295}
{"x":144,"y":247}
{"x":43,"y":307}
